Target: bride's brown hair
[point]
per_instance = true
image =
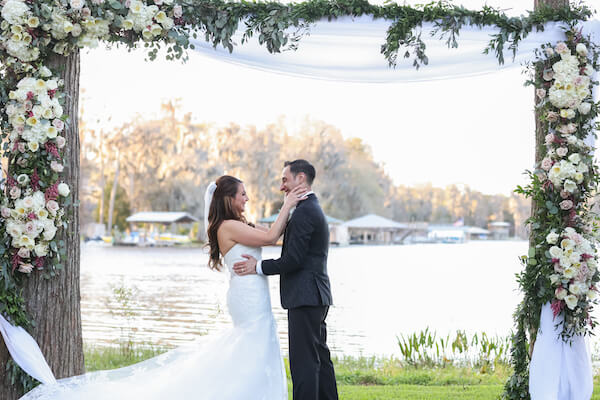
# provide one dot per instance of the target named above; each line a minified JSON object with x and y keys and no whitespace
{"x":221,"y":209}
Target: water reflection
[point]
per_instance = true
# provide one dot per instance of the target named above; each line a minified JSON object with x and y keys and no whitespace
{"x":379,"y":292}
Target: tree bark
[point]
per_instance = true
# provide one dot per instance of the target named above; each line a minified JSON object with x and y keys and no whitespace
{"x":53,"y":304}
{"x":113,"y":194}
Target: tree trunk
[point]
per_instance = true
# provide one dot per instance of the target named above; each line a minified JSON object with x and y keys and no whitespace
{"x":540,"y":147}
{"x":53,"y":304}
{"x":102,"y":183}
{"x":113,"y":194}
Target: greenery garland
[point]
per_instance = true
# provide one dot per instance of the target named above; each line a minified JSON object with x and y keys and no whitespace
{"x":32,"y":123}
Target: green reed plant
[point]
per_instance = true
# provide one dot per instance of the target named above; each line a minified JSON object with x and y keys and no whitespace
{"x":479,"y":350}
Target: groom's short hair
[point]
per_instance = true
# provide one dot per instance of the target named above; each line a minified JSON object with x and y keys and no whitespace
{"x":304,"y":166}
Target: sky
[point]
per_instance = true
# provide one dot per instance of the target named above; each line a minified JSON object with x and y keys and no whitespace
{"x":476,"y":131}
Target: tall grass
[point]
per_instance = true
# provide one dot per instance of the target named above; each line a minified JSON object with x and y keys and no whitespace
{"x":479,"y":350}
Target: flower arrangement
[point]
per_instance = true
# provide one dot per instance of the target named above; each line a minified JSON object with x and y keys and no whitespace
{"x":34,"y":121}
{"x":561,"y":267}
{"x":567,"y":179}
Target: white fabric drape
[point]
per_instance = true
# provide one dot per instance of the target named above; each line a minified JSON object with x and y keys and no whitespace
{"x":559,"y":370}
{"x":347,"y":49}
{"x":25,"y":352}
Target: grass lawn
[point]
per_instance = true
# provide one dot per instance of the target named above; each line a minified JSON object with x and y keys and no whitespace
{"x":364,"y":378}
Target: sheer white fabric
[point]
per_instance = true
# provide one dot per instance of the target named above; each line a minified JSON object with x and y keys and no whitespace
{"x":348,"y":49}
{"x":242,"y":363}
{"x":25,"y":351}
{"x":559,"y":370}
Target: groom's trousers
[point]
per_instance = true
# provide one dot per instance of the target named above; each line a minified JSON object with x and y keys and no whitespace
{"x":313,"y":377}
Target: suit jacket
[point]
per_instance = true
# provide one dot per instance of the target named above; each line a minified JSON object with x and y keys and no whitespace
{"x":303,"y":263}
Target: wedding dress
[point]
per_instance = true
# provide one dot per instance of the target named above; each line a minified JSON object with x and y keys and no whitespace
{"x":241,"y":363}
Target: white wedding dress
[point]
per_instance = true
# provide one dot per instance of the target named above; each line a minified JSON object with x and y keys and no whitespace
{"x":241,"y":363}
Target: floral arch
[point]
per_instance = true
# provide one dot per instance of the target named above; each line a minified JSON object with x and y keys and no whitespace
{"x":39,"y":42}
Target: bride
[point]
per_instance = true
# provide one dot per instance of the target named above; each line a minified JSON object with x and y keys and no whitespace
{"x":243,"y":362}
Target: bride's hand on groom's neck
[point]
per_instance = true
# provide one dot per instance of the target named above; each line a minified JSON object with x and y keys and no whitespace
{"x":296,"y":195}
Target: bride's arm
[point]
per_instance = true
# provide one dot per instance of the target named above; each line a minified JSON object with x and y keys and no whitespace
{"x":244,"y":234}
{"x":262,"y":228}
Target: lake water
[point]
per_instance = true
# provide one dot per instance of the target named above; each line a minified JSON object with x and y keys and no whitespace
{"x":379,"y":292}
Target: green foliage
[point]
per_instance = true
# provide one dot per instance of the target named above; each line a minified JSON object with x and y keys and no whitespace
{"x":121,"y":210}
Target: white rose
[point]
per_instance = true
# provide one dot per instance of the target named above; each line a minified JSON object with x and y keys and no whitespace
{"x":45,"y":72}
{"x":589,"y":70}
{"x":581,"y":49}
{"x":570,"y":186}
{"x":63,"y":189}
{"x":571,"y":301}
{"x":554,"y":278}
{"x":77,"y":4}
{"x":552,"y":238}
{"x":42,"y":214}
{"x":41,"y":250}
{"x":575,"y":158}
{"x":575,"y":288}
{"x":49,"y":232}
{"x":555,"y":251}
{"x":560,"y":293}
{"x":584,"y":108}
{"x":28,"y":202}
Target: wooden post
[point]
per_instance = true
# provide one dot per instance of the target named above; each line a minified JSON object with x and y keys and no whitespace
{"x":53,"y":304}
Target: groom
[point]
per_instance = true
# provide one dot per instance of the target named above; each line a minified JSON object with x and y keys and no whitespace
{"x":305,"y":290}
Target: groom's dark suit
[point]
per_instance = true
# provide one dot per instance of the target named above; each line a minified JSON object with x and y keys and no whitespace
{"x":306,"y":294}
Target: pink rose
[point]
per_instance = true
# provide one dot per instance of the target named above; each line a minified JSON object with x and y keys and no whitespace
{"x":21,"y":162}
{"x":540,"y":93}
{"x":21,"y":147}
{"x":28,"y":105}
{"x":571,"y":127}
{"x":564,"y":195}
{"x":23,"y":252}
{"x":26,"y":268}
{"x":562,"y":151}
{"x":549,"y":138}
{"x":52,"y":206}
{"x":564,"y":129}
{"x":549,"y":51}
{"x":29,"y":228}
{"x":58,"y":124}
{"x":177,"y":11}
{"x":566,"y":205}
{"x":548,"y":75}
{"x":60,"y":142}
{"x":552,"y":116}
{"x":55,"y":166}
{"x":561,"y":48}
{"x":547,"y":164}
{"x":15,"y":192}
{"x":560,"y":292}
{"x":5,"y":212}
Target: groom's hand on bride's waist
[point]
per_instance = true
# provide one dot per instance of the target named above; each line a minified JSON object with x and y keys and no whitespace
{"x":246,"y":267}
